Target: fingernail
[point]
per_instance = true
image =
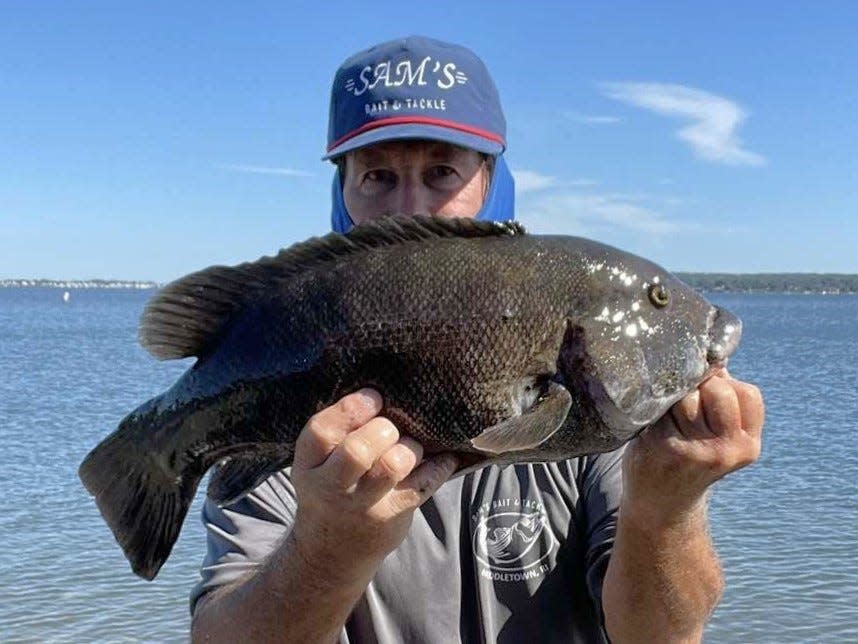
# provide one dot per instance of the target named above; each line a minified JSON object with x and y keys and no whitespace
{"x":370,"y":398}
{"x":388,"y":430}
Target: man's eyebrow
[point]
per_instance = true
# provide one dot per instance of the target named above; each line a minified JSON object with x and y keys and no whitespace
{"x":369,"y":156}
{"x":437,"y":150}
{"x":442,"y":150}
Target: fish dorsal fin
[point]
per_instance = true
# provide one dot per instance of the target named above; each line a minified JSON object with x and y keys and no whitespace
{"x":187,"y":316}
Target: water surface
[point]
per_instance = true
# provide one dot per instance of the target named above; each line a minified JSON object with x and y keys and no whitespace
{"x":786,"y":529}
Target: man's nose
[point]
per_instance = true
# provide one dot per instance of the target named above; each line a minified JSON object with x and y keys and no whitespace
{"x":413,"y":198}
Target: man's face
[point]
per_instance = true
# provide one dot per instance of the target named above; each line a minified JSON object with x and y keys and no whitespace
{"x":414,"y":178}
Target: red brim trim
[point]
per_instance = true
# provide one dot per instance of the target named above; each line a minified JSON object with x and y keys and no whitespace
{"x":419,"y":120}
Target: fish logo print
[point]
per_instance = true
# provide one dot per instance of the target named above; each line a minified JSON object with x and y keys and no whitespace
{"x":513,"y":541}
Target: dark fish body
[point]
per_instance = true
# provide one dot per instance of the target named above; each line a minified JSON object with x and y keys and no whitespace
{"x":482,"y":340}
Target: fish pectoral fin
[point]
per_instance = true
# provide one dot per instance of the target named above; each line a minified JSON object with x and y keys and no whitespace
{"x":241,"y":473}
{"x":530,"y":429}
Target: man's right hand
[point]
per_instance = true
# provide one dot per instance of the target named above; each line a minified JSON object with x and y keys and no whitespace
{"x":358,"y":483}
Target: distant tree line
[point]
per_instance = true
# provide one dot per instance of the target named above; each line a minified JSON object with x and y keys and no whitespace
{"x":833,"y":283}
{"x":93,"y":283}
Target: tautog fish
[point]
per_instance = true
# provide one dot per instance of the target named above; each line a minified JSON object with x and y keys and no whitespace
{"x":500,"y":346}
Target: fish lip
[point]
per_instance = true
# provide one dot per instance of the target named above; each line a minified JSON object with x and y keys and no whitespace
{"x":725,"y":331}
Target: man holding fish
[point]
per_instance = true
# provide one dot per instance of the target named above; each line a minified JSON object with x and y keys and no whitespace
{"x":360,"y":540}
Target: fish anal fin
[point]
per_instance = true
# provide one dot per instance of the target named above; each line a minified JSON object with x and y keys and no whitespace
{"x":530,"y":429}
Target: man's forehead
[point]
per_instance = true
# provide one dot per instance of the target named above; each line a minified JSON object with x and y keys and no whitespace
{"x":393,"y":149}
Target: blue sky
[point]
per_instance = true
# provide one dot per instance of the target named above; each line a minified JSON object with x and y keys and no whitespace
{"x":145,"y":140}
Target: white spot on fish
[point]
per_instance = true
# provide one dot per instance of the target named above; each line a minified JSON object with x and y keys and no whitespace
{"x":644,"y":326}
{"x":631,"y":330}
{"x":619,"y":315}
{"x":636,"y":306}
{"x":656,"y":279}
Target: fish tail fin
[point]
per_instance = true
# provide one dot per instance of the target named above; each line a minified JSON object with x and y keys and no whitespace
{"x":142,"y":502}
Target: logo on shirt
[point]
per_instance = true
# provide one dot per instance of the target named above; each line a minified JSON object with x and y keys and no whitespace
{"x":512,"y":540}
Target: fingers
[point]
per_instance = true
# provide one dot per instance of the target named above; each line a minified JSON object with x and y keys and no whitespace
{"x":327,"y":429}
{"x":688,"y":416}
{"x":359,"y":451}
{"x":752,"y":407}
{"x":423,"y":482}
{"x":392,"y":466}
{"x":727,"y":409}
{"x":358,"y":481}
{"x":348,"y":444}
{"x":712,"y":410}
{"x":708,"y":434}
{"x":720,"y":406}
{"x":753,"y":414}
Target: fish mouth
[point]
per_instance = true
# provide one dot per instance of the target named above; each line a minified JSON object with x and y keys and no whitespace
{"x":725,"y":331}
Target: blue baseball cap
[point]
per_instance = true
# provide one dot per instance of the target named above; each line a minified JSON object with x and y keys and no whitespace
{"x":415,"y":88}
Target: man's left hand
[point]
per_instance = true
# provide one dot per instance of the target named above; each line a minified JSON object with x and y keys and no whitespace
{"x":709,"y":433}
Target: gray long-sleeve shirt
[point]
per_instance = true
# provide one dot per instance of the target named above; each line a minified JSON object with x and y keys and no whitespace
{"x":500,"y":555}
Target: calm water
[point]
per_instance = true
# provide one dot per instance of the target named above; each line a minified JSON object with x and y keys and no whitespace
{"x":786,"y":529}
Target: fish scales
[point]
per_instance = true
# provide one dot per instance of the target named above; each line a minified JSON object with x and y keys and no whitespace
{"x":482,"y":340}
{"x":456,"y":331}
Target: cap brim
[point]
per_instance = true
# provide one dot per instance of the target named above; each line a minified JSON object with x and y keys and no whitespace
{"x":405,"y":131}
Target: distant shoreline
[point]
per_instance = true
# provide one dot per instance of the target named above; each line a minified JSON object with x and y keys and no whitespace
{"x":795,"y":283}
{"x":66,"y":284}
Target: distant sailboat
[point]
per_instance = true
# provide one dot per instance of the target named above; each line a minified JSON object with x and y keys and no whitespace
{"x":66,"y":296}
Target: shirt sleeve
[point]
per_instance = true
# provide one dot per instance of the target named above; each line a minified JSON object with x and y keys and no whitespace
{"x":601,"y":488}
{"x":241,"y":535}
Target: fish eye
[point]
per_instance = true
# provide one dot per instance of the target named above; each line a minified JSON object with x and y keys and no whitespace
{"x":659,"y":296}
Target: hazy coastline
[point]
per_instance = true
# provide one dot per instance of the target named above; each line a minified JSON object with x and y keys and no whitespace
{"x":797,"y":283}
{"x":75,"y":284}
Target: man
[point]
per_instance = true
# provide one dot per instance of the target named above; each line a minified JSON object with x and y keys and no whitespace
{"x":359,"y":541}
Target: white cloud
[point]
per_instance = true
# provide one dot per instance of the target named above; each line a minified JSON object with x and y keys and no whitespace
{"x":714,"y":119}
{"x":528,"y":181}
{"x":255,"y":169}
{"x":580,"y":183}
{"x":591,"y":119}
{"x":592,"y":215}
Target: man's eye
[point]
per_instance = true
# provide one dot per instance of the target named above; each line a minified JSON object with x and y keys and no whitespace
{"x":442,"y":171}
{"x":379,"y":177}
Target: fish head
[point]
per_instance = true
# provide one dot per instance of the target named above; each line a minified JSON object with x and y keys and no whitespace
{"x":641,"y":340}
